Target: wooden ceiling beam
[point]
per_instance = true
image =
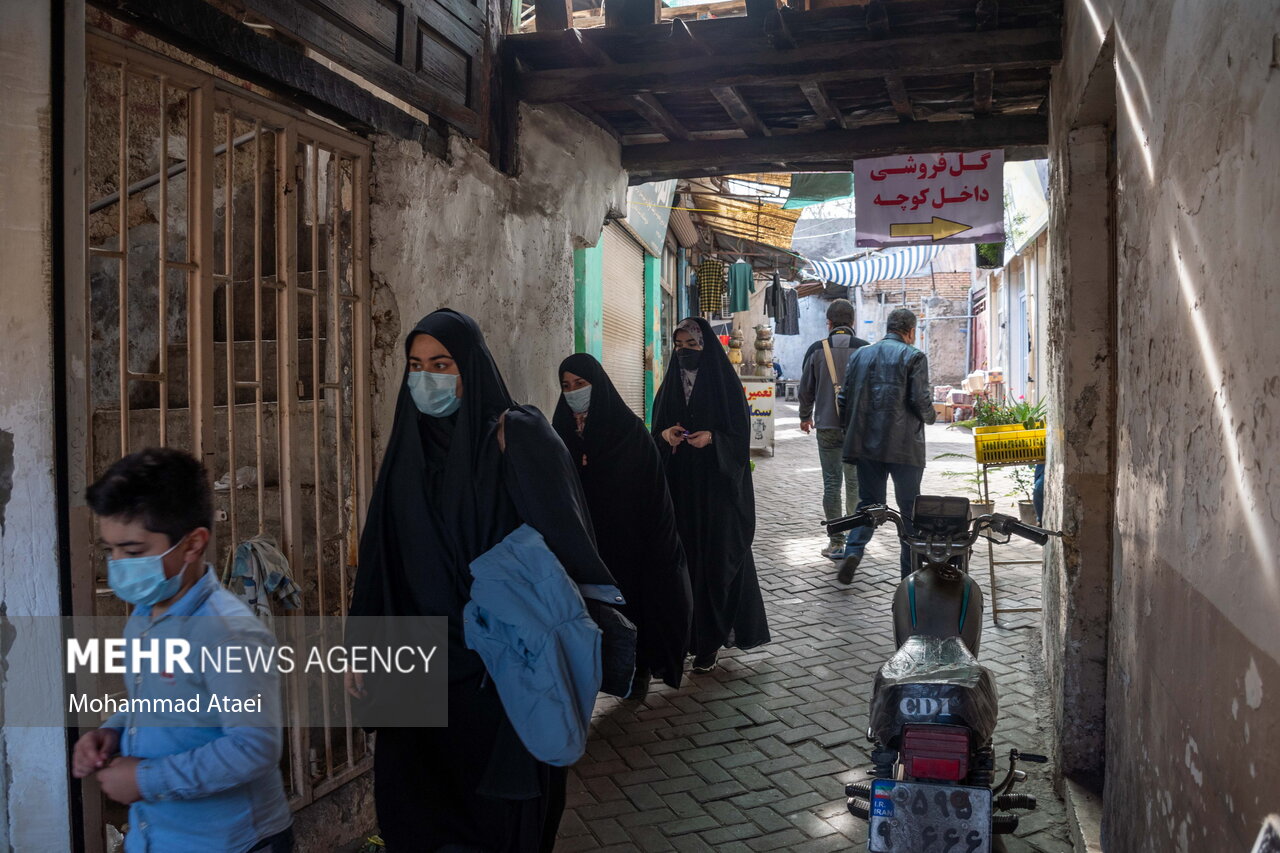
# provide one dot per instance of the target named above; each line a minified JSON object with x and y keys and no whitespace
{"x":648,"y":106}
{"x":1021,"y":136}
{"x":632,"y":13}
{"x":590,"y":18}
{"x":878,"y":27}
{"x":742,"y":113}
{"x":600,"y":121}
{"x":983,"y":82}
{"x":724,"y":28}
{"x":987,"y":13}
{"x":898,"y":95}
{"x":823,"y":108}
{"x":552,"y":15}
{"x":877,"y":19}
{"x":659,"y":116}
{"x":592,"y":52}
{"x":914,"y":56}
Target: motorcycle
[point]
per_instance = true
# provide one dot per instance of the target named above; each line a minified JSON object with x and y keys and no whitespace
{"x":933,"y":706}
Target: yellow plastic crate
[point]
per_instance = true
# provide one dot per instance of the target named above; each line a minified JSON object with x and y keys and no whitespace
{"x":1008,"y":444}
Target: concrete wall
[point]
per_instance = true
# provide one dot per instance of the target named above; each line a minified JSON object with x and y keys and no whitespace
{"x":1193,"y":650}
{"x":789,"y":350}
{"x":461,"y":235}
{"x":1080,"y":464}
{"x":33,"y":786}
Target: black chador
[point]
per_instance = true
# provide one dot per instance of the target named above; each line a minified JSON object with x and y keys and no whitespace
{"x":445,"y":494}
{"x":622,"y":476}
{"x":713,"y":494}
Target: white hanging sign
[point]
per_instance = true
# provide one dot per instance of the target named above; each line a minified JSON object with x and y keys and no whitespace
{"x":956,"y":197}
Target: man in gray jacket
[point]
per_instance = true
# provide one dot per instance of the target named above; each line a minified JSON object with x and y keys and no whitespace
{"x":885,"y":403}
{"x":818,"y":410}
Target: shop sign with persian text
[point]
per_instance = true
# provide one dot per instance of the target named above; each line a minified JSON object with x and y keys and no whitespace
{"x":956,"y":197}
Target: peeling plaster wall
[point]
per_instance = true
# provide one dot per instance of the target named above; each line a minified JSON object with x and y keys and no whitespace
{"x":1193,"y":664}
{"x":33,"y":788}
{"x":459,"y":234}
{"x":1080,"y":466}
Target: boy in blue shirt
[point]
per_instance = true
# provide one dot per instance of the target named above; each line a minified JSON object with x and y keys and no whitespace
{"x":203,"y":780}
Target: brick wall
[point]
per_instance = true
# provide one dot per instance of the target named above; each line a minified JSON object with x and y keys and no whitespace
{"x":950,"y":285}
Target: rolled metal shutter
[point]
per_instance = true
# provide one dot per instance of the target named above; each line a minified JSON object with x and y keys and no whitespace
{"x":624,"y":315}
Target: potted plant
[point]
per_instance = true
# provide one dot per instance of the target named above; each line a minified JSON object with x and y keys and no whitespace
{"x":972,"y":481}
{"x":1024,"y":482}
{"x":990,"y":256}
{"x":1031,"y":416}
{"x":987,"y":412}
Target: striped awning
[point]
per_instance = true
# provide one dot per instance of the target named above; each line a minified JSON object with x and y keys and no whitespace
{"x":901,"y":262}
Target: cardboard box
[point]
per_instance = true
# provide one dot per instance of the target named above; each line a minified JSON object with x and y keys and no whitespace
{"x":945,"y":411}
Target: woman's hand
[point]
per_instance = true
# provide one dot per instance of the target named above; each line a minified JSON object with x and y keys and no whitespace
{"x":700,"y":439}
{"x":674,"y":435}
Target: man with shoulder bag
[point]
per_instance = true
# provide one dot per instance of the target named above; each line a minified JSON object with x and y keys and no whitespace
{"x":821,"y":377}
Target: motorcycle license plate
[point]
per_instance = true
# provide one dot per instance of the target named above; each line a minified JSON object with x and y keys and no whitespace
{"x":909,"y":817}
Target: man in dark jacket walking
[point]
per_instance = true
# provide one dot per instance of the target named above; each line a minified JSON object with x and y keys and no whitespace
{"x":818,"y":381}
{"x":885,"y":403}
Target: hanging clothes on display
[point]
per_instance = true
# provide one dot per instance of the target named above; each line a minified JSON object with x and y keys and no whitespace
{"x":783,"y":305}
{"x":711,"y":284}
{"x":713,"y":495}
{"x":791,"y":312}
{"x":774,"y":301}
{"x":742,"y":284}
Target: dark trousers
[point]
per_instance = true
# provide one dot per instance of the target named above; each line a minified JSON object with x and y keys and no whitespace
{"x":281,"y":842}
{"x":425,"y":785}
{"x":873,"y":486}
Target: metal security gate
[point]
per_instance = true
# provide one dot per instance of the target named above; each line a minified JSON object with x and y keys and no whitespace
{"x":225,"y":312}
{"x":624,"y":314}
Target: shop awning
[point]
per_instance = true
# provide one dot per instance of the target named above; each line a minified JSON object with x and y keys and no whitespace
{"x":902,"y":262}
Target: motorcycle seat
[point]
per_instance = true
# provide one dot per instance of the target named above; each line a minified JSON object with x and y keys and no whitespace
{"x":933,"y":680}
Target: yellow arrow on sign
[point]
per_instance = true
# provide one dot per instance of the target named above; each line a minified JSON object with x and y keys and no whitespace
{"x":938,"y":229}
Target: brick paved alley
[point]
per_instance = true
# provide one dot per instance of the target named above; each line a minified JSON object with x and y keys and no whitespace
{"x":755,"y":756}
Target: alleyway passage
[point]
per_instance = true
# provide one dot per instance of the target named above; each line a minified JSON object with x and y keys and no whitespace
{"x":755,"y":756}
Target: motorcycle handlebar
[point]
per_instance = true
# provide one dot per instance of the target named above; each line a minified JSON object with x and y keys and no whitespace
{"x":874,"y":516}
{"x":843,"y":525}
{"x":1010,"y":525}
{"x":1026,"y":531}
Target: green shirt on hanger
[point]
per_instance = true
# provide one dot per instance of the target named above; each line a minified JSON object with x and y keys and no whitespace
{"x":742,"y":284}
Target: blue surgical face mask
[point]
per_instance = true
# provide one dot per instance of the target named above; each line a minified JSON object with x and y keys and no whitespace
{"x":579,"y":400}
{"x":435,"y":394}
{"x":141,"y":580}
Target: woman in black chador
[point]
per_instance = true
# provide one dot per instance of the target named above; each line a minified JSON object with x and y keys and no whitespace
{"x":464,"y":467}
{"x":635,"y":526}
{"x":702,"y":428}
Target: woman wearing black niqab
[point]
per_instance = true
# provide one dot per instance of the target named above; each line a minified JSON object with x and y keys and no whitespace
{"x":632,"y":515}
{"x":464,"y":467}
{"x":702,"y":427}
